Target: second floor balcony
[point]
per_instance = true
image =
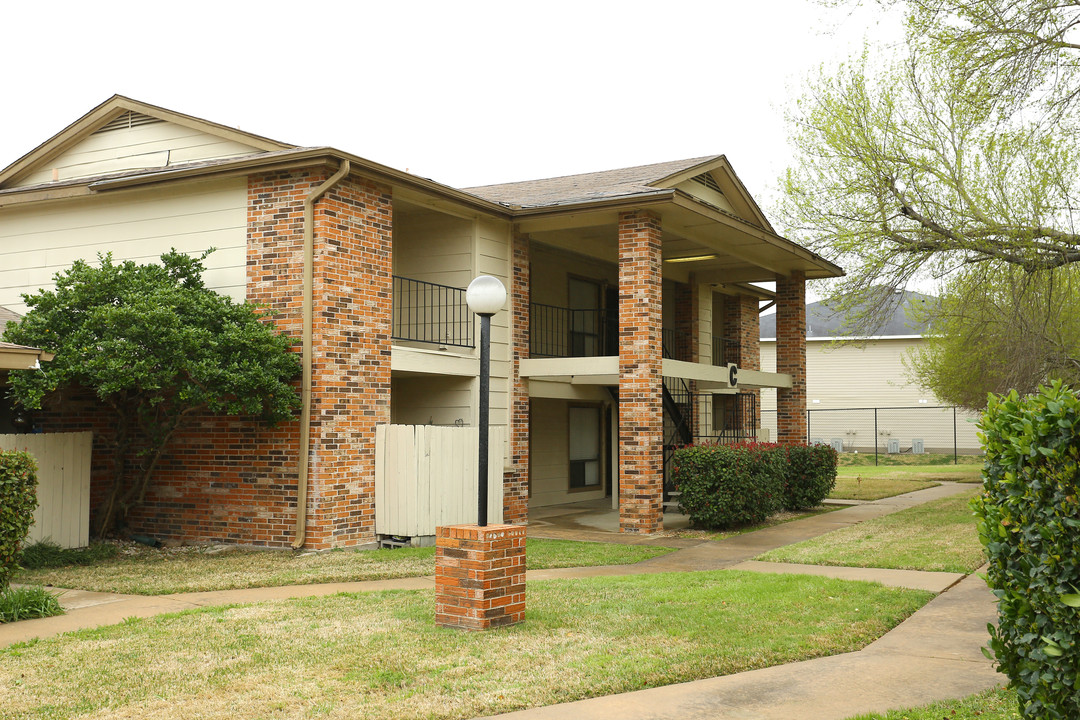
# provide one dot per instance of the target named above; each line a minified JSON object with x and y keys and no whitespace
{"x":431,"y":313}
{"x":560,"y":332}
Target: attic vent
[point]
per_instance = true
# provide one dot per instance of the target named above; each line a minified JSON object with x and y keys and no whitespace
{"x":128,"y":120}
{"x":708,"y":181}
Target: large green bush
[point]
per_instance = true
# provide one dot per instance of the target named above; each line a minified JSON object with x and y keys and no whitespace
{"x":810,"y":475}
{"x":1029,"y":522}
{"x":726,"y":485}
{"x":18,"y":499}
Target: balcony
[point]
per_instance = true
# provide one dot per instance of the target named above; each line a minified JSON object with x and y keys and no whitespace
{"x":560,"y":332}
{"x":431,"y":313}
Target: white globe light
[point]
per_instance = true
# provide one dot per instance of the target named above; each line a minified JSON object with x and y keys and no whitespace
{"x":485,"y":295}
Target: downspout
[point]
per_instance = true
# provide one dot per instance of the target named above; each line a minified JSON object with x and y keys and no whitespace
{"x":305,"y":383}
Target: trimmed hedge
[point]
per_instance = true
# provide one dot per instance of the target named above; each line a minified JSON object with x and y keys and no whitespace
{"x":726,"y":485}
{"x":1029,"y":523}
{"x":18,"y":499}
{"x":810,"y":476}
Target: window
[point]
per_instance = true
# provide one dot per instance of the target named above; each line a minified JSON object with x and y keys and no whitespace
{"x":584,"y":426}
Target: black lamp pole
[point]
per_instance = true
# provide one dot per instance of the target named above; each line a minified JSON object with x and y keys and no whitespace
{"x":485,"y":392}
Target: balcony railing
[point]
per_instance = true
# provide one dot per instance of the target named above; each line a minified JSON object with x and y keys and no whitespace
{"x":431,"y":313}
{"x":677,"y":344}
{"x":564,"y":332}
{"x":725,"y":350}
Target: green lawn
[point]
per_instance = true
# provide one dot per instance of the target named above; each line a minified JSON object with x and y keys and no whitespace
{"x":140,"y":570}
{"x":379,"y":655}
{"x":991,"y":705}
{"x":862,"y":482}
{"x":938,"y":535}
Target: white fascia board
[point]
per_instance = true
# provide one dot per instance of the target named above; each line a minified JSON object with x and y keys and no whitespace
{"x":582,"y":370}
{"x":432,"y":362}
{"x":716,"y":377}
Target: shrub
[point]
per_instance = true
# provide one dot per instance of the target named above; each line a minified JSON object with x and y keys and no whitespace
{"x":47,"y":554}
{"x":18,"y":499}
{"x":1029,"y":523}
{"x":26,"y":603}
{"x":726,"y":485}
{"x":810,"y":476}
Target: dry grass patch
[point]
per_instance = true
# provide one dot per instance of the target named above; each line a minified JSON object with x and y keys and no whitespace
{"x":936,"y":536}
{"x":857,"y":487}
{"x":380,"y":656}
{"x":139,"y":570}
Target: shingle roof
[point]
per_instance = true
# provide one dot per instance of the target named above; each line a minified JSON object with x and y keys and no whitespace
{"x":822,"y":321}
{"x":587,"y":186}
{"x":7,"y":316}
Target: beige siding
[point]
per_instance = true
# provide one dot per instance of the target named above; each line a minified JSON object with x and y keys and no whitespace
{"x":549,"y":463}
{"x":147,"y":146}
{"x":37,"y":241}
{"x":841,"y":377}
{"x":63,"y":459}
{"x":493,"y":258}
{"x":431,"y":400}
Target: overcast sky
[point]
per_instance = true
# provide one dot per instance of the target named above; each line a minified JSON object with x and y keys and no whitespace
{"x":465,"y":93}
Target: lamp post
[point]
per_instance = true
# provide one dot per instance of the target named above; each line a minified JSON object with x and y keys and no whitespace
{"x":485,"y":296}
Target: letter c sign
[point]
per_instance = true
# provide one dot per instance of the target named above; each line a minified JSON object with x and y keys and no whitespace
{"x":733,"y":375}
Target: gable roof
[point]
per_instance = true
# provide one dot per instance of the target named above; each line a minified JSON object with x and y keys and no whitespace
{"x":639,"y":181}
{"x":824,"y":322}
{"x":568,"y":189}
{"x":109,"y":111}
{"x":7,"y":316}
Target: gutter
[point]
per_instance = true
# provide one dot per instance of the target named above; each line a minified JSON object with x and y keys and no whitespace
{"x":305,"y":383}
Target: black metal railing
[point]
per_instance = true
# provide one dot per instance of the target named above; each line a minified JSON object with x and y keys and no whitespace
{"x":431,"y":313}
{"x":566,"y":332}
{"x":725,"y":350}
{"x":677,"y":344}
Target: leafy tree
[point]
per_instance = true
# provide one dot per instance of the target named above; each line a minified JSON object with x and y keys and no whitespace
{"x":158,"y":349}
{"x":998,"y":328}
{"x":956,"y":160}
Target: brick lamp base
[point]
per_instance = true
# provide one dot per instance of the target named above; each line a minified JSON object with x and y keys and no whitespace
{"x":479,"y":576}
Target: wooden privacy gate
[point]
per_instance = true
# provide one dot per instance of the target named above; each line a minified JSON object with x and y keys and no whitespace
{"x":426,"y":476}
{"x":63,"y":512}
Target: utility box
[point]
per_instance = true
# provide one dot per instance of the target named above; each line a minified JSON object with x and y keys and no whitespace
{"x":837,"y":444}
{"x":917,"y":446}
{"x":894,"y":446}
{"x":817,"y":441}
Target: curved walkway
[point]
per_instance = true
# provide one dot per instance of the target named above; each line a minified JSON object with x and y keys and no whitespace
{"x":933,"y":655}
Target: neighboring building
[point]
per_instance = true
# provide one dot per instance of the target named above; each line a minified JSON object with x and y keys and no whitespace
{"x":627,"y":289}
{"x":845,"y":382}
{"x":14,"y":357}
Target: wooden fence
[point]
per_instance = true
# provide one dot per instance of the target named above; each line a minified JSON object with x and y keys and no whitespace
{"x":63,"y":512}
{"x":426,"y":476}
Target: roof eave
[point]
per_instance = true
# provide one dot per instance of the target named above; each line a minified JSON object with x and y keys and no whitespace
{"x":827,"y":269}
{"x":304,"y":157}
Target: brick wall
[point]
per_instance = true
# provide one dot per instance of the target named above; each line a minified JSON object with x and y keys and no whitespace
{"x":516,"y":481}
{"x":640,"y":374}
{"x":353,"y":305}
{"x":742,"y":324}
{"x":791,"y":357}
{"x":231,"y":478}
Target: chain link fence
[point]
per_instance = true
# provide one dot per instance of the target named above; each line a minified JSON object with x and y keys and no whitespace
{"x":890,"y":430}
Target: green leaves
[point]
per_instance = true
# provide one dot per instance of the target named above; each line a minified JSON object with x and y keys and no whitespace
{"x":18,"y":500}
{"x":157,"y":348}
{"x":1030,"y":491}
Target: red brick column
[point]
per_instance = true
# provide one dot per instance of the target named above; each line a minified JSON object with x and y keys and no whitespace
{"x":479,"y":576}
{"x":641,"y":420}
{"x":743,"y":324}
{"x":516,"y":481}
{"x":353,"y":305}
{"x":791,"y":357}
